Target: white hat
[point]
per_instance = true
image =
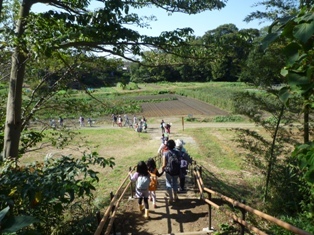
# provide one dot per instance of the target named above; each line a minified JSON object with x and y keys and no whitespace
{"x":179,"y":143}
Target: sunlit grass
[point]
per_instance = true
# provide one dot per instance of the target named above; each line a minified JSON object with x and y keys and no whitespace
{"x":213,"y":149}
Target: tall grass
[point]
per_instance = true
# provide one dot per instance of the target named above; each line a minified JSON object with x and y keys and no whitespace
{"x":217,"y":94}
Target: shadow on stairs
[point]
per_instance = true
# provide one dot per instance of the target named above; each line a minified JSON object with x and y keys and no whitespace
{"x":188,"y":215}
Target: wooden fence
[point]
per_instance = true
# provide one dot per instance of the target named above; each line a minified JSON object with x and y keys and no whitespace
{"x":106,"y":223}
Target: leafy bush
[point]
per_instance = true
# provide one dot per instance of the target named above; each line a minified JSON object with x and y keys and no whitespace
{"x":12,"y":224}
{"x":131,"y":86}
{"x":299,"y":221}
{"x":120,"y":86}
{"x":190,"y":118}
{"x":46,"y":191}
{"x":303,"y":154}
{"x":229,"y":118}
{"x":163,"y":92}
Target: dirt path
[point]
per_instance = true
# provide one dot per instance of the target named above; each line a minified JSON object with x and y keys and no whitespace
{"x":189,"y":215}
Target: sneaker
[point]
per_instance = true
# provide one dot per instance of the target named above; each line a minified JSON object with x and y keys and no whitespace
{"x":180,"y":190}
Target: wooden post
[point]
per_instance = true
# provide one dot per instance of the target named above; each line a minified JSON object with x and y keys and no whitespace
{"x":243,"y":218}
{"x":209,"y":212}
{"x":131,"y":185}
{"x":112,"y":210}
{"x":183,"y":123}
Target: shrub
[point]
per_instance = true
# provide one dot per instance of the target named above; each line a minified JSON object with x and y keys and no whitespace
{"x":132,"y":86}
{"x":120,"y":86}
{"x":229,"y":118}
{"x":46,"y":191}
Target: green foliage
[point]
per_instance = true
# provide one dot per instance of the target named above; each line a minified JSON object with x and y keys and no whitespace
{"x":229,"y":118}
{"x":218,"y":55}
{"x":45,"y":191}
{"x":303,"y":154}
{"x":300,"y":222}
{"x":132,"y":86}
{"x":12,"y":224}
{"x":218,"y":94}
{"x":2,"y":121}
{"x":226,"y":229}
{"x":298,"y":30}
{"x":121,"y":86}
{"x":190,"y":118}
{"x":262,"y":68}
{"x":267,"y":150}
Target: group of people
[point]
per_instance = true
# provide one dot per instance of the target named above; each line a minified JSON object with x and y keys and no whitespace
{"x":53,"y":123}
{"x":165,"y":135}
{"x":165,"y":127}
{"x":82,"y":121}
{"x":175,"y":160}
{"x":139,"y":125}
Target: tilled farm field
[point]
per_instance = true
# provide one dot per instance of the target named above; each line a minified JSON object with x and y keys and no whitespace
{"x":181,"y":106}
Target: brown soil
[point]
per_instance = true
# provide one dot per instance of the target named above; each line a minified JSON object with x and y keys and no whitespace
{"x":181,"y":106}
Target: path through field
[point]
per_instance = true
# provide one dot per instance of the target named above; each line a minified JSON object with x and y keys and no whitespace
{"x":189,"y":215}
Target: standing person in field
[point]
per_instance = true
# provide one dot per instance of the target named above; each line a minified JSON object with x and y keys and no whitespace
{"x":153,"y":171}
{"x":142,"y":178}
{"x":89,"y":121}
{"x":134,"y":120}
{"x":162,"y":126}
{"x":167,"y":128}
{"x":120,"y":120}
{"x":114,"y":119}
{"x":81,"y":121}
{"x":171,"y":165}
{"x":126,"y":120}
{"x":185,"y":161}
{"x":60,"y":121}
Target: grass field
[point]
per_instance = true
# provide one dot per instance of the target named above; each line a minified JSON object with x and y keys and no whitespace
{"x":213,"y":147}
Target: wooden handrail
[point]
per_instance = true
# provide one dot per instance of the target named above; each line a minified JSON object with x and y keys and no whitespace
{"x":270,"y":218}
{"x":107,"y":213}
{"x":108,"y":230}
{"x":115,"y":201}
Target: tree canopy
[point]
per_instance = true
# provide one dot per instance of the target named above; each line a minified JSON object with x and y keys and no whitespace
{"x":71,"y":28}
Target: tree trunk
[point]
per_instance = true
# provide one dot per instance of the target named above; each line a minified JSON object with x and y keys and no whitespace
{"x":12,"y":131}
{"x":306,"y":122}
{"x":272,"y":159}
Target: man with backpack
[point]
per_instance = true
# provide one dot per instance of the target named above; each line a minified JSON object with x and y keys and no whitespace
{"x":171,"y":165}
{"x":185,"y":161}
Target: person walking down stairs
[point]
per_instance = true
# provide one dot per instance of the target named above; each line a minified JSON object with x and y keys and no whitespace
{"x":154,"y":173}
{"x":171,"y":165}
{"x":142,"y":179}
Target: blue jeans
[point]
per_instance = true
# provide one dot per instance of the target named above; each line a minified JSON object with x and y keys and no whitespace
{"x":172,"y":182}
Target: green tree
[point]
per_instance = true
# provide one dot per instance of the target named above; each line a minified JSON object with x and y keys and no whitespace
{"x":298,"y":30}
{"x":275,"y":9}
{"x":262,"y":68}
{"x":227,"y":49}
{"x":77,"y":29}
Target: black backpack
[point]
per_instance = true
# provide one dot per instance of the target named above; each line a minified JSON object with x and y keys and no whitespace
{"x":173,"y":162}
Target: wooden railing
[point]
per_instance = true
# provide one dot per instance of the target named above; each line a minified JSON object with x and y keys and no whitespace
{"x":244,"y":209}
{"x":110,"y":213}
{"x":107,"y":221}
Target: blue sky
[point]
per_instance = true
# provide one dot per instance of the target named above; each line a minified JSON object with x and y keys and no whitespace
{"x":234,"y":12}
